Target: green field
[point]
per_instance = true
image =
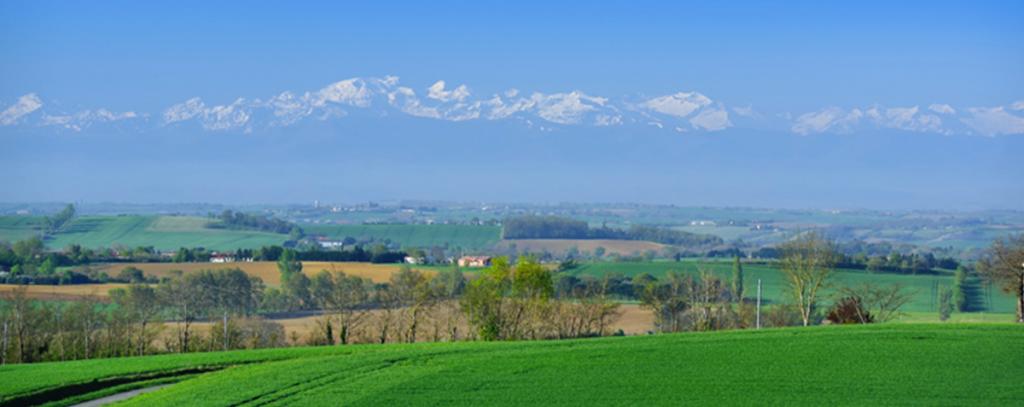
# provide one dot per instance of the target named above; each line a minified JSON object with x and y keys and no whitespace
{"x":774,"y":284}
{"x":13,"y":228}
{"x":895,"y":364}
{"x":161,"y":232}
{"x":468,"y":237}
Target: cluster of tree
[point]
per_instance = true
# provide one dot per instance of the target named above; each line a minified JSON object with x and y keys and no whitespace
{"x":682,"y":302}
{"x":189,"y":255}
{"x":237,"y":220}
{"x":135,"y":317}
{"x":28,"y":262}
{"x":895,"y":262}
{"x":505,"y":303}
{"x":1004,"y":265}
{"x":808,"y":263}
{"x":554,"y":227}
{"x":375,"y":254}
{"x":509,"y":302}
{"x":56,"y":222}
{"x":913,"y":262}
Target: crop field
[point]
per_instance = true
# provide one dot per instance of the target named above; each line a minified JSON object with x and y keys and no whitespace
{"x":62,"y":292}
{"x":774,"y":284}
{"x":161,"y":232}
{"x":560,"y":246}
{"x":465,"y":236}
{"x":13,"y":228}
{"x":895,"y":364}
{"x":266,"y":270}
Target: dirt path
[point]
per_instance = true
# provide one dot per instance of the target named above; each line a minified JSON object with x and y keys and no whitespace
{"x":119,"y":396}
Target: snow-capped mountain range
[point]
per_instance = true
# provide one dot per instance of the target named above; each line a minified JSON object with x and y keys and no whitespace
{"x":684,"y":111}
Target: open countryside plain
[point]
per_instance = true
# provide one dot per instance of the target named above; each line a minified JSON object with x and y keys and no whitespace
{"x":923,"y":286}
{"x":561,"y":246}
{"x":162,"y":232}
{"x":850,"y":365}
{"x":773,"y":282}
{"x":469,"y":237}
{"x":265,"y":270}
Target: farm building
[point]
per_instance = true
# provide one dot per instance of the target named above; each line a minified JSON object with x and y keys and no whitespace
{"x":474,"y":261}
{"x":331,"y":244}
{"x":222,"y":258}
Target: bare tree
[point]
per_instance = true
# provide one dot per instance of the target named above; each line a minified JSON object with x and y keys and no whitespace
{"x":1004,"y":264}
{"x":807,"y":262}
{"x":669,"y":301}
{"x":141,"y":306}
{"x":181,"y":295}
{"x":711,"y":308}
{"x":884,"y":302}
{"x":87,"y":320}
{"x":411,"y":293}
{"x":344,"y":297}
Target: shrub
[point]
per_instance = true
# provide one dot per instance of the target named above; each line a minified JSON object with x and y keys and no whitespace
{"x":782,"y":315}
{"x":946,"y":303}
{"x":849,"y":310}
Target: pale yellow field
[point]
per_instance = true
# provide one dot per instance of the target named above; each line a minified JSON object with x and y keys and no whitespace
{"x":622,"y":247}
{"x":62,"y":292}
{"x":265,"y":270}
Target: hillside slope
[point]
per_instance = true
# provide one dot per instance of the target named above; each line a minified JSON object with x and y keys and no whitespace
{"x":864,"y":365}
{"x":161,"y":232}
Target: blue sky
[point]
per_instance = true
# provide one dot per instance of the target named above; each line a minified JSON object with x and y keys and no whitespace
{"x":852,"y":76}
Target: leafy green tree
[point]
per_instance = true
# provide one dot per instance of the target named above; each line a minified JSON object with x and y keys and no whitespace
{"x":1004,"y":265}
{"x":483,"y":300}
{"x":875,"y":263}
{"x":56,"y":222}
{"x":29,"y":249}
{"x":668,"y":300}
{"x":288,"y":262}
{"x":296,"y":287}
{"x":946,"y":304}
{"x":737,"y":279}
{"x":131,"y":274}
{"x":183,"y":255}
{"x":504,"y":302}
{"x":960,"y":289}
{"x":49,"y":267}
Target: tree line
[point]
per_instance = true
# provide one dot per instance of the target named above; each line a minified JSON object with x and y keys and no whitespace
{"x":242,"y":221}
{"x":29,"y":262}
{"x":554,"y":227}
{"x":506,"y":302}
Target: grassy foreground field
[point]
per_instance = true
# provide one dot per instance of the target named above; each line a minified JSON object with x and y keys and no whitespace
{"x":927,"y":364}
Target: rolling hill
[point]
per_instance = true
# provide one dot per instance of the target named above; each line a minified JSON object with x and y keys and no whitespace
{"x":929,"y":364}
